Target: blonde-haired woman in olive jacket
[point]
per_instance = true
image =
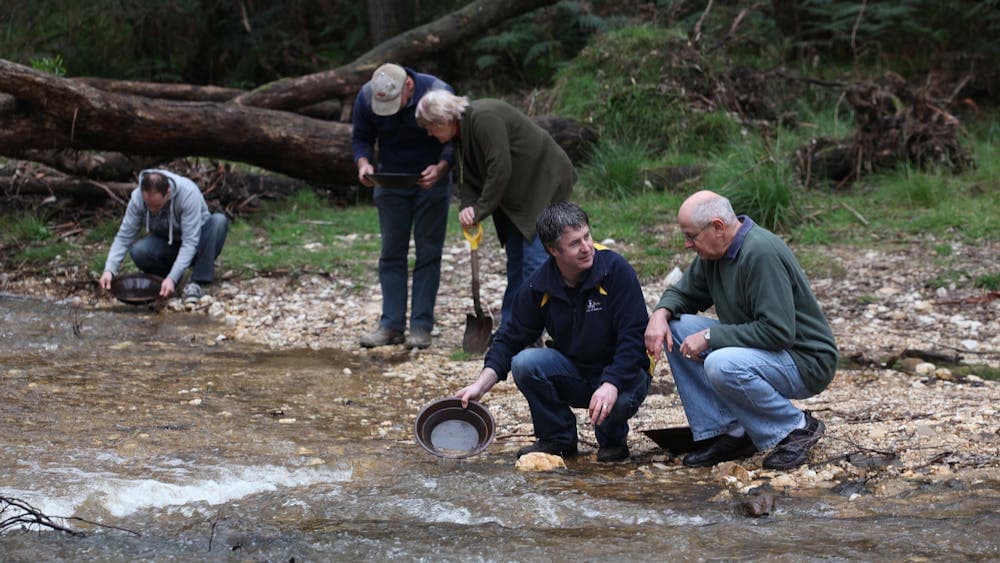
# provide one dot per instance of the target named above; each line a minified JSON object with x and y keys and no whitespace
{"x":508,"y":167}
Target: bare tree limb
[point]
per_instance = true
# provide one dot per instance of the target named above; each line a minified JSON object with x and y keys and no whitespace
{"x":404,"y":48}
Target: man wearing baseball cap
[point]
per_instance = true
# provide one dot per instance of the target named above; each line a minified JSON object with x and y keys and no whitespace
{"x":387,"y":139}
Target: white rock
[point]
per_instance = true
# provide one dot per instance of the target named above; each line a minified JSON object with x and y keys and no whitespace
{"x":887,"y":291}
{"x":944,"y":374}
{"x":925,"y":368}
{"x":673,"y":277}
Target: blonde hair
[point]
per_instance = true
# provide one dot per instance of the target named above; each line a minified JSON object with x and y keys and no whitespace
{"x":440,"y":106}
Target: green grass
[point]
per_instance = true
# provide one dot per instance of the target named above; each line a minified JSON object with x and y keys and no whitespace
{"x":989,"y":282}
{"x":817,"y":264}
{"x":624,"y":83}
{"x":615,"y":169}
{"x":24,"y":229}
{"x":980,"y":370}
{"x":638,"y":225}
{"x":947,"y":278}
{"x":303,"y":233}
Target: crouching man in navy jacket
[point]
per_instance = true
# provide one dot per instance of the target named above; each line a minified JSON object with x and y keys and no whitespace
{"x":590,"y":302}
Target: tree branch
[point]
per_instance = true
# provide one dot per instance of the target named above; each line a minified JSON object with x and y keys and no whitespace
{"x":405,"y":48}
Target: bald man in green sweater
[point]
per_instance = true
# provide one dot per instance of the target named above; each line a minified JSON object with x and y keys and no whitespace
{"x":737,"y":375}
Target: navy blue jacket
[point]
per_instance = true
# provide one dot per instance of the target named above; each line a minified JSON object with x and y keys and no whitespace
{"x":403,"y":146}
{"x":598,"y":326}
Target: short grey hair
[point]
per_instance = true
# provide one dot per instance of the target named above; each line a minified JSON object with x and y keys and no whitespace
{"x":555,"y":218}
{"x":440,"y":106}
{"x":703,"y":212}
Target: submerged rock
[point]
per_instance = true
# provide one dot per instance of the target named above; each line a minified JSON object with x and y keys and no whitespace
{"x":538,"y":461}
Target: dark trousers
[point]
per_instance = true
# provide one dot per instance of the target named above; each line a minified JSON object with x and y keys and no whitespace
{"x":154,"y":255}
{"x":552,"y":385}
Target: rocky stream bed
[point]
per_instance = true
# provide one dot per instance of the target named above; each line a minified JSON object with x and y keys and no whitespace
{"x":929,"y":417}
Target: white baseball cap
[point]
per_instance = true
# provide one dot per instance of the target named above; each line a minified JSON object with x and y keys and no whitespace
{"x":387,"y":89}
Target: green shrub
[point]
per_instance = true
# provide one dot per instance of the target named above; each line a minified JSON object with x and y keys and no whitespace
{"x":615,"y":84}
{"x":760,"y":187}
{"x":615,"y":169}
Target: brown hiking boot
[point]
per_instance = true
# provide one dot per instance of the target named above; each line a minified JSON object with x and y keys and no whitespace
{"x":382,"y":337}
{"x":419,"y":338}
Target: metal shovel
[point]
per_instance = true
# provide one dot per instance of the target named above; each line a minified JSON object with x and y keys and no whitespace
{"x":478,"y":327}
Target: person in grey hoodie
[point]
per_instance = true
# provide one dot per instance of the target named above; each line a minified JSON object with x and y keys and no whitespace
{"x":181,"y":233}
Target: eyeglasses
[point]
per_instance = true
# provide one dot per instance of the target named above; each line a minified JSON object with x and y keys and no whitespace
{"x":691,"y":238}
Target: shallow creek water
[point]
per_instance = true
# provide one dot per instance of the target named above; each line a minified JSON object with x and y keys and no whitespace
{"x":212,"y":449}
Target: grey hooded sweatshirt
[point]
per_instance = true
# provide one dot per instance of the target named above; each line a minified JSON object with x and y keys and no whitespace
{"x":181,"y":217}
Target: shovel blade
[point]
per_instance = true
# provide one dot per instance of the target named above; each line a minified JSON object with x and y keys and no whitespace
{"x":477,"y":334}
{"x":677,"y":440}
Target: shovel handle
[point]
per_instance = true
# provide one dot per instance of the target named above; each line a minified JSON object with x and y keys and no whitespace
{"x":474,"y":238}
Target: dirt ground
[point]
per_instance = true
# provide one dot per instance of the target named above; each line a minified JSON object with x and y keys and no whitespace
{"x":929,"y":417}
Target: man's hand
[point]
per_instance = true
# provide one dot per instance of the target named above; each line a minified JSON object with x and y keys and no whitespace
{"x":365,"y":167}
{"x":105,"y":281}
{"x":432,"y":174}
{"x":167,"y":288}
{"x":694,"y":345}
{"x":658,"y":332}
{"x":467,"y":217}
{"x":602,"y":402}
{"x":486,"y":380}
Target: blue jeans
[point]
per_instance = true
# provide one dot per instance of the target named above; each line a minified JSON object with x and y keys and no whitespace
{"x":154,"y":255}
{"x":425,"y":214}
{"x":523,"y":258}
{"x":736,"y":386}
{"x":552,"y":384}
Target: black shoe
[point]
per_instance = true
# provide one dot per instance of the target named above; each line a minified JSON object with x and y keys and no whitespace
{"x":726,"y":448}
{"x":612,"y":453}
{"x":544,"y":447}
{"x":792,"y":451}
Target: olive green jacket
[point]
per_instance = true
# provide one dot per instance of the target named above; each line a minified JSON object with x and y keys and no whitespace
{"x":509,"y":163}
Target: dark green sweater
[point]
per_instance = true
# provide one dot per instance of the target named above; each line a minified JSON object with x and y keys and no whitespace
{"x":509,"y":162}
{"x":763,"y":300}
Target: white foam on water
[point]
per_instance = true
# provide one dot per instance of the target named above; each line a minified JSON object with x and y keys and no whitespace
{"x":125,"y":496}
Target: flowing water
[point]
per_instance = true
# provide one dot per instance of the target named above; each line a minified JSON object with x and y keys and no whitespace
{"x":184,"y":446}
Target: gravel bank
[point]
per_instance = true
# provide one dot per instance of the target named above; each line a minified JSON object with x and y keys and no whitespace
{"x":890,"y":429}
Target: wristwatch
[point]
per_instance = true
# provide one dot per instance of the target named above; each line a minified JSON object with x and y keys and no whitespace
{"x":708,"y":335}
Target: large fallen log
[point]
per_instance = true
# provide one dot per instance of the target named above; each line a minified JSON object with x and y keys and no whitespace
{"x":40,"y":112}
{"x":331,"y":110}
{"x":57,"y":113}
{"x":54,"y":114}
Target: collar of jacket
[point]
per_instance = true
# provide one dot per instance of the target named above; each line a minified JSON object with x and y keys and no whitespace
{"x":550,"y":281}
